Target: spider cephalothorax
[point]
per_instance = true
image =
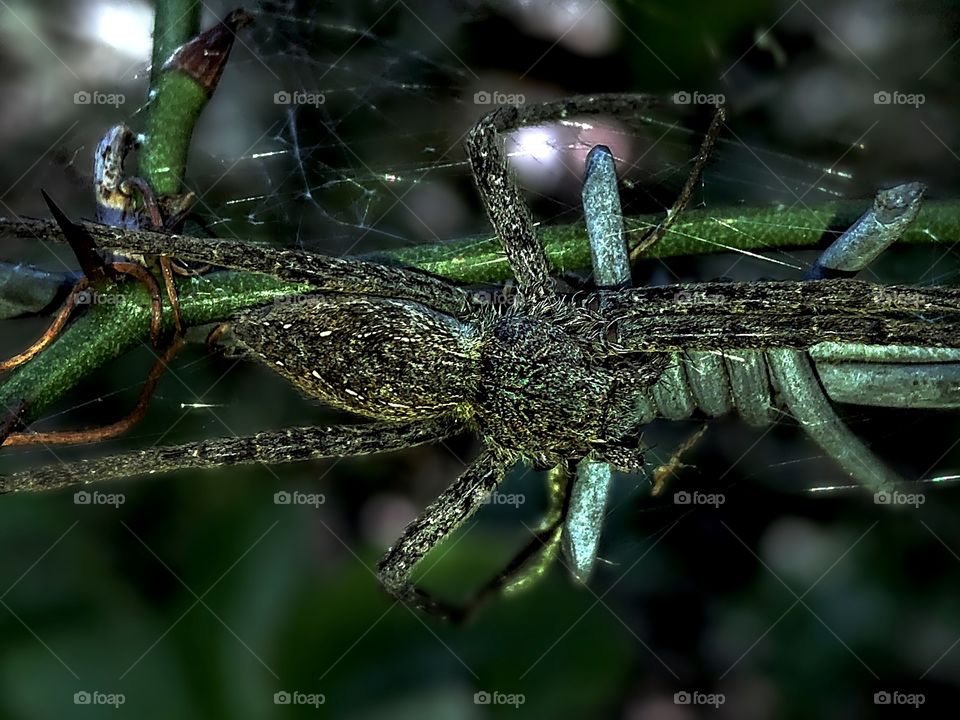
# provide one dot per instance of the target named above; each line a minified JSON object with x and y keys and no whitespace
{"x":550,"y":390}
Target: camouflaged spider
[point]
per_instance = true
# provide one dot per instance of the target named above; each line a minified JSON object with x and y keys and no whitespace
{"x":555,"y":380}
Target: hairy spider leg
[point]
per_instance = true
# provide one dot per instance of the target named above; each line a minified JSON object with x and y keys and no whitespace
{"x":295,"y":444}
{"x":322,"y":272}
{"x":689,"y":186}
{"x":446,"y":514}
{"x":792,"y":372}
{"x":591,"y":487}
{"x":509,"y":214}
{"x":441,"y":519}
{"x":453,"y":507}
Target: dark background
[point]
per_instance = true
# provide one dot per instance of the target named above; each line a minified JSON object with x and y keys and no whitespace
{"x":200,"y":597}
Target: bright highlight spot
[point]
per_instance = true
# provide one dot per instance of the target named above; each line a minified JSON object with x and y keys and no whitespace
{"x":126,"y":27}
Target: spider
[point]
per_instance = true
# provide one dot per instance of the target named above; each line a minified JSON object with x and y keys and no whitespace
{"x":559,"y":380}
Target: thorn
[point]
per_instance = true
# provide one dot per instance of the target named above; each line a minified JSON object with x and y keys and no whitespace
{"x":81,"y":242}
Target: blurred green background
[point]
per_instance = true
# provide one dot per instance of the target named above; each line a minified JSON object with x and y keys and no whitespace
{"x":200,"y":597}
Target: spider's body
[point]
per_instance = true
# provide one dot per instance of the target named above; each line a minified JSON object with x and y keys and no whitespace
{"x":393,"y":360}
{"x":560,"y":381}
{"x":552,"y":390}
{"x":539,"y":382}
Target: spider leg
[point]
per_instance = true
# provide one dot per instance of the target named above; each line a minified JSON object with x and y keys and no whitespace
{"x":443,"y":516}
{"x":611,"y":268}
{"x":508,"y":213}
{"x":792,"y":371}
{"x":531,"y":562}
{"x":322,"y":272}
{"x":689,"y":187}
{"x":279,"y":446}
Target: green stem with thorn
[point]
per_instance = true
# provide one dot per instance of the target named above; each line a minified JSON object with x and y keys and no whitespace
{"x":120,"y":321}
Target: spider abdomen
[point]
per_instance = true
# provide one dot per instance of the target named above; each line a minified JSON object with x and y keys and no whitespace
{"x":380,"y":358}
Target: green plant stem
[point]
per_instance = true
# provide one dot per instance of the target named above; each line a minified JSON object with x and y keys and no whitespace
{"x":121,"y":322}
{"x":176,"y":100}
{"x":174,"y":22}
{"x":175,"y":105}
{"x":712,"y":230}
